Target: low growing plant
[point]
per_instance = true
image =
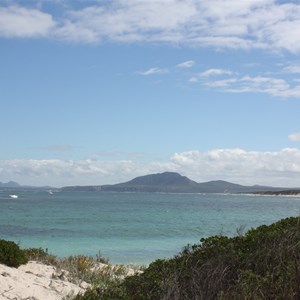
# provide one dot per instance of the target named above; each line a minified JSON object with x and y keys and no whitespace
{"x":11,"y":254}
{"x":41,"y":255}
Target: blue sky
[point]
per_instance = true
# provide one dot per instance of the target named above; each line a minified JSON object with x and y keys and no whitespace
{"x":96,"y":92}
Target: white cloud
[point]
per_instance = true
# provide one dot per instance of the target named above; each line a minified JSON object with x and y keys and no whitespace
{"x":77,"y":33}
{"x":293,"y":69}
{"x":236,"y":165}
{"x":23,"y":22}
{"x":221,"y":83}
{"x":186,"y":64}
{"x":194,"y":79}
{"x":295,"y":137}
{"x":152,"y":71}
{"x":273,"y":86}
{"x":58,"y":172}
{"x":214,"y":72}
{"x":285,"y":34}
{"x":131,"y":21}
{"x":278,"y":168}
{"x":268,"y":85}
{"x":247,"y":24}
{"x":202,"y":77}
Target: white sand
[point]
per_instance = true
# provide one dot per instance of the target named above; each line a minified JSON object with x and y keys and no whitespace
{"x":35,"y":281}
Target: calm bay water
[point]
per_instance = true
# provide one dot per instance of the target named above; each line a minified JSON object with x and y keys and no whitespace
{"x":131,"y":227}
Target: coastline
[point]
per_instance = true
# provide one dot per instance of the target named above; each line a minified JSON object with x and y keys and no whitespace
{"x":284,"y":193}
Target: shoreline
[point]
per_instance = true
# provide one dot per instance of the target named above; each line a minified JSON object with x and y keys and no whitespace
{"x":284,"y":193}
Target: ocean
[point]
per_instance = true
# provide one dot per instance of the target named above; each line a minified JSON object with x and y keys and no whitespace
{"x":131,"y":227}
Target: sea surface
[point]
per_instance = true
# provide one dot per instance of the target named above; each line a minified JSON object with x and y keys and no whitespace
{"x":131,"y":227}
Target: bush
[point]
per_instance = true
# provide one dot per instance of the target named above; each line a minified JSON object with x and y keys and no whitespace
{"x":113,"y":292}
{"x":40,"y":255}
{"x":11,"y":254}
{"x":262,"y":264}
{"x":90,"y":294}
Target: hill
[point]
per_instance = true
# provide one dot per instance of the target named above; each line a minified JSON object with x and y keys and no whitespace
{"x":10,"y":184}
{"x":171,"y":182}
{"x":168,"y":182}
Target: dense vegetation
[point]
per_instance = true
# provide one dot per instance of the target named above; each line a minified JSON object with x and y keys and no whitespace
{"x":11,"y":254}
{"x":262,"y":264}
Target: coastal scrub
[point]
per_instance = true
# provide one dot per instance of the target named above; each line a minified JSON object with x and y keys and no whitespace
{"x":11,"y":254}
{"x":262,"y":264}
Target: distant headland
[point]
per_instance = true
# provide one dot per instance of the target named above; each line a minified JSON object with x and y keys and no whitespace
{"x":171,"y":182}
{"x":167,"y":182}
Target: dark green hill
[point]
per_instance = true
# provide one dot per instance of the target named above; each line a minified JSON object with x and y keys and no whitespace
{"x":168,"y":182}
{"x":167,"y":178}
{"x":221,"y":186}
{"x":171,"y":182}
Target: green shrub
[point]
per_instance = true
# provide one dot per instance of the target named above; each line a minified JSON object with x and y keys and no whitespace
{"x":113,"y":292}
{"x":11,"y":254}
{"x":40,"y":255}
{"x":36,"y":254}
{"x":90,"y":294}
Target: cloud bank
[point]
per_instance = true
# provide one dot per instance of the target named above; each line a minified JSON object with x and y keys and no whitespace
{"x":235,"y":24}
{"x":16,"y":21}
{"x":280,"y":168}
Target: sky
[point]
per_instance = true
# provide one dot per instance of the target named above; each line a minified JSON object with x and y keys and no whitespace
{"x":99,"y":92}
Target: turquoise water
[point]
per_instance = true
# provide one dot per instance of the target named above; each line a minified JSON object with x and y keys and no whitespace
{"x":131,"y":227}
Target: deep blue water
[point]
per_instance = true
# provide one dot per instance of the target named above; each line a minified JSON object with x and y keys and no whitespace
{"x":131,"y":227}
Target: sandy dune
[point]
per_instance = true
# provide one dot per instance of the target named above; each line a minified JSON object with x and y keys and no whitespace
{"x":35,"y":281}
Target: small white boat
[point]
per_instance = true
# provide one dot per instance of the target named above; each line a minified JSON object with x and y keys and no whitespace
{"x":14,"y":196}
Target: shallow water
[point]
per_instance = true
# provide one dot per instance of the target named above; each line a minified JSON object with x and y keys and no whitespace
{"x":131,"y":227}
